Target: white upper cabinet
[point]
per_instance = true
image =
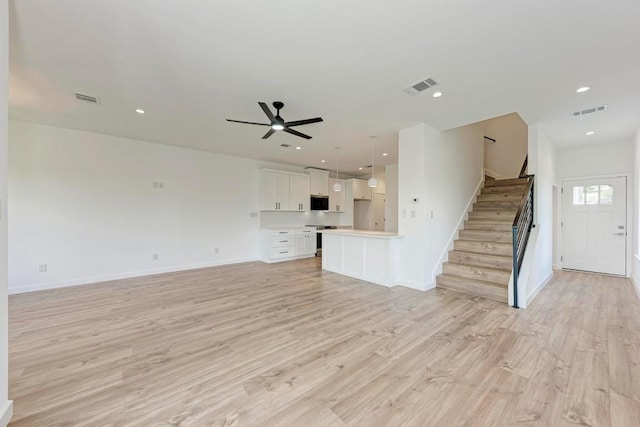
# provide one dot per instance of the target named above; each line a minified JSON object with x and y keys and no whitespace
{"x":336,"y":198}
{"x":275,"y":191}
{"x":361,"y":190}
{"x":299,"y":190}
{"x":282,"y":191}
{"x":319,"y":182}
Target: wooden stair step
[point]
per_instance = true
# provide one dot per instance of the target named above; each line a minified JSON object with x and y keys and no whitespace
{"x":489,"y":224}
{"x":488,"y":235}
{"x":504,"y":189}
{"x":504,"y":249}
{"x":499,"y":276}
{"x":502,"y":182}
{"x":500,"y":197}
{"x":506,"y":215}
{"x":473,"y":287}
{"x":481,"y":260}
{"x":495,"y":205}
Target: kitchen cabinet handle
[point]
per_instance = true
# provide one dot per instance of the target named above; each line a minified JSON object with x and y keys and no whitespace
{"x":284,"y":252}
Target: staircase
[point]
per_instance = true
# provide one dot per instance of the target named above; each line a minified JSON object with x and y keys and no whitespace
{"x":481,"y":260}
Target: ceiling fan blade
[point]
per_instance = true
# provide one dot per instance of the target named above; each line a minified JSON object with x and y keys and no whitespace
{"x":303,"y":122}
{"x":268,"y":112}
{"x":269,"y":133}
{"x":249,"y":123}
{"x":296,"y":133}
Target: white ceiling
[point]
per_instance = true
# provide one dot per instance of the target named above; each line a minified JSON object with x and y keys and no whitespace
{"x":192,"y":64}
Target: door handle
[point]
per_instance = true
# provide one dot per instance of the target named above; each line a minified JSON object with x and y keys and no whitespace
{"x":618,"y":234}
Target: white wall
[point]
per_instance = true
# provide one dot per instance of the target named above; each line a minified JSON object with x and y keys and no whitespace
{"x":443,"y":170}
{"x":84,"y":204}
{"x":595,"y":160}
{"x":542,"y":163}
{"x":504,"y":158}
{"x":412,"y":223}
{"x":391,"y":204}
{"x":635,"y":263}
{"x":279,"y":219}
{"x":5,"y":405}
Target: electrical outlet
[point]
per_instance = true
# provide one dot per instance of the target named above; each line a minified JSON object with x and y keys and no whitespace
{"x":155,"y":185}
{"x":155,"y":257}
{"x":161,"y":185}
{"x":216,"y":251}
{"x":42,"y":268}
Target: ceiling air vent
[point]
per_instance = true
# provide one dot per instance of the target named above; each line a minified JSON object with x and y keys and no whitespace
{"x":285,"y":145}
{"x":589,"y":111}
{"x":88,"y":99}
{"x":421,"y":86}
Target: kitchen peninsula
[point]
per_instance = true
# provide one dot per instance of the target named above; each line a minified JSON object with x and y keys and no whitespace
{"x":366,"y":255}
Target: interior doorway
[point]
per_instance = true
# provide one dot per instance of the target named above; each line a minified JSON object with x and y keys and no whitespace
{"x":594,"y":225}
{"x":378,"y":212}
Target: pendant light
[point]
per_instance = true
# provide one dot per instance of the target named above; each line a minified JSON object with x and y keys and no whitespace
{"x":373,"y":182}
{"x":337,"y":186}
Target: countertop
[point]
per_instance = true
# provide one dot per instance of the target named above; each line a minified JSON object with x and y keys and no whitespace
{"x":287,"y":227}
{"x":364,"y":233}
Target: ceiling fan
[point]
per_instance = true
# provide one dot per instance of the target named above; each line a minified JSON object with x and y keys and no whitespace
{"x":277,"y":122}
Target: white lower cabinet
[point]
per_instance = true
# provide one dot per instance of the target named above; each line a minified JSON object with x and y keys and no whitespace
{"x":306,"y":241}
{"x":287,"y":244}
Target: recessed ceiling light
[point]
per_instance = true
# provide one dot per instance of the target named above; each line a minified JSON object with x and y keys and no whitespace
{"x":590,"y":133}
{"x":323,"y":161}
{"x":139,"y":111}
{"x":437,"y":94}
{"x":298,"y":148}
{"x":583,"y":89}
{"x":360,"y":168}
{"x":384,"y":154}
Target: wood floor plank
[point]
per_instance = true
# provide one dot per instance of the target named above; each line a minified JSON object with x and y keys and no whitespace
{"x":291,"y":345}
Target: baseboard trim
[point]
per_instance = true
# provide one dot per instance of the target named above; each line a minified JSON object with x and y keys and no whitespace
{"x":536,"y":291}
{"x":416,"y":285}
{"x":444,"y":256}
{"x":491,"y":173}
{"x":635,"y":286}
{"x":119,"y":276}
{"x":6,"y":412}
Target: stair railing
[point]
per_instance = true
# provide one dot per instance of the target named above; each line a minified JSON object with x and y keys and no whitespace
{"x":522,"y":225}
{"x":523,"y":170}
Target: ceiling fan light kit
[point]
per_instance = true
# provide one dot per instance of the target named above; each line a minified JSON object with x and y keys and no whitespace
{"x":277,"y":123}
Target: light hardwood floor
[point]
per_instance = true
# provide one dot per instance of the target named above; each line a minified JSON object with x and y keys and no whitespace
{"x":288,"y":344}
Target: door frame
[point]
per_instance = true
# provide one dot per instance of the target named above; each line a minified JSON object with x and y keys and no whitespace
{"x":629,"y":216}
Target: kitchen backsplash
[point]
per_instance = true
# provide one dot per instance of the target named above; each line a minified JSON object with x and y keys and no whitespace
{"x":277,"y":219}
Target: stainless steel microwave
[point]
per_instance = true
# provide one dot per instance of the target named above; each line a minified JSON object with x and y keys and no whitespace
{"x":319,"y":203}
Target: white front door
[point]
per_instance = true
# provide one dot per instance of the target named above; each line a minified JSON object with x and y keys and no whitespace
{"x":594,"y":225}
